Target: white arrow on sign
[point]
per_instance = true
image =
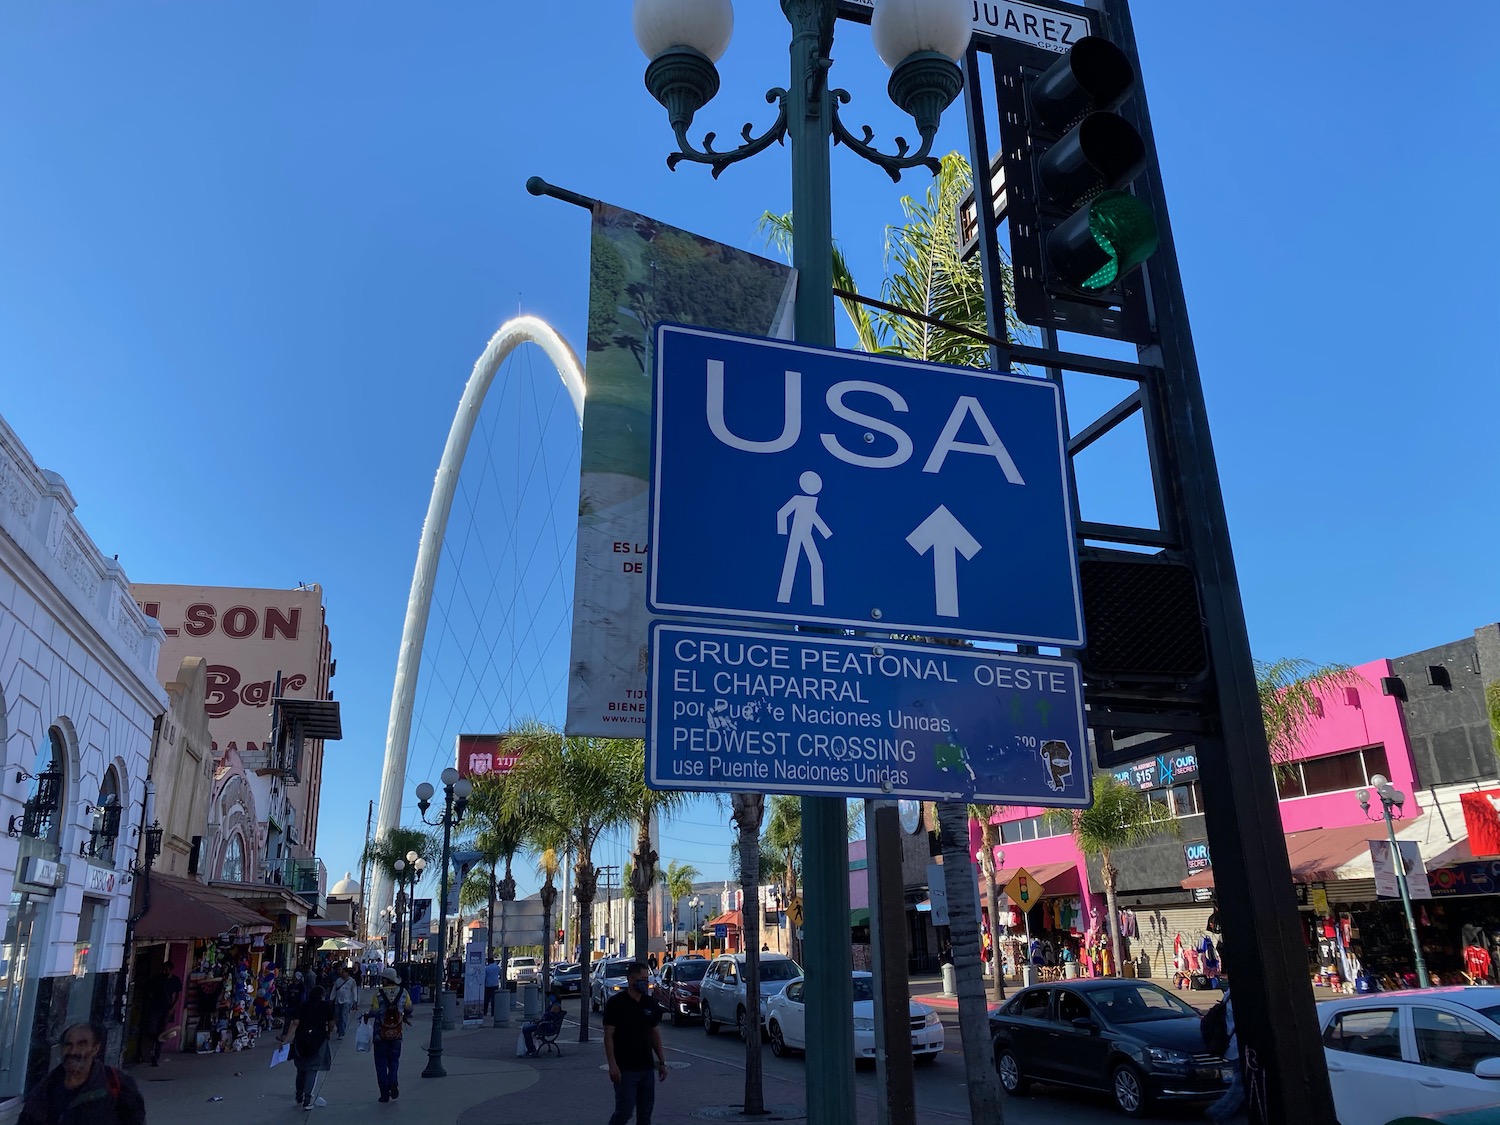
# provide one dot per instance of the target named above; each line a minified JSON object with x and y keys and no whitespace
{"x":946,"y":538}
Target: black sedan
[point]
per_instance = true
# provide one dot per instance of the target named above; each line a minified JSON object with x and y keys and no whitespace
{"x":567,"y":979}
{"x":1129,"y":1038}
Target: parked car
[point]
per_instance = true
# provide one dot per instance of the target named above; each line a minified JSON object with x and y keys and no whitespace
{"x":786,"y":1022}
{"x":681,"y":981}
{"x":567,"y":979}
{"x":723,"y":990}
{"x":1130,"y":1038}
{"x":608,"y":978}
{"x":1430,"y":1050}
{"x":522,"y":970}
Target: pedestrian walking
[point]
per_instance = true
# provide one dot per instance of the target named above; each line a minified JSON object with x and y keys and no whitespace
{"x":390,"y":1011}
{"x":345,"y":999}
{"x":491,"y":984}
{"x":81,"y":1090}
{"x":160,"y":993}
{"x":632,"y":1035}
{"x":308,"y":1032}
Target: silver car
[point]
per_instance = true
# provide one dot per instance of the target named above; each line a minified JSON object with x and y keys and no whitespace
{"x":607,"y":979}
{"x":723,"y":991}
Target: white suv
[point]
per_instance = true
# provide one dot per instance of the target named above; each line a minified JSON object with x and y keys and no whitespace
{"x":723,"y":990}
{"x":522,"y":970}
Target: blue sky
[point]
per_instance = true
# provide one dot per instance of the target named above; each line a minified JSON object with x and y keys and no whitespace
{"x":250,"y":253}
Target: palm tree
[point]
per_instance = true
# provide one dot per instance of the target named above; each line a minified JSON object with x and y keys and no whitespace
{"x":500,"y":836}
{"x":749,"y":811}
{"x":568,"y":792}
{"x":1120,"y":817}
{"x":679,"y":882}
{"x":1289,"y":691}
{"x":990,"y":836}
{"x":963,"y":942}
{"x":383,"y":852}
{"x":650,"y":804}
{"x":781,"y":852}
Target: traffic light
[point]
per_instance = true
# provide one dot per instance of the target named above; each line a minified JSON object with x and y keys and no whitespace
{"x":1076,"y":232}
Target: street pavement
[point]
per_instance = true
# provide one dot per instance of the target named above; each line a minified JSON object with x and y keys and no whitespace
{"x":487,"y":1084}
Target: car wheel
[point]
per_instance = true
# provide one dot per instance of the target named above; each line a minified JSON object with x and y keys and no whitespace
{"x":778,"y":1041}
{"x":1129,"y":1089}
{"x":593,"y":1003}
{"x":710,"y":1025}
{"x":1008,"y":1067}
{"x":741,"y":1024}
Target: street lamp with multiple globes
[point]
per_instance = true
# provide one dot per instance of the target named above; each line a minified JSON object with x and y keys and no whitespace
{"x":1392,"y":801}
{"x":696,"y":902}
{"x":921,"y":41}
{"x":416,"y":865}
{"x":456,"y":791}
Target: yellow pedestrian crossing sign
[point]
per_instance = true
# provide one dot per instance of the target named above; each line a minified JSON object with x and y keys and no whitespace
{"x":794,"y":911}
{"x":1023,"y":890}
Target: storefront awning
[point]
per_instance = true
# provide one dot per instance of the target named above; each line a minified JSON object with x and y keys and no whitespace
{"x":1316,"y":854}
{"x":1055,"y":878}
{"x":328,"y":928}
{"x":183,"y":909}
{"x":733,"y":919}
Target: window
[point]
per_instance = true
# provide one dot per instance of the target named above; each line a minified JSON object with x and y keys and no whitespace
{"x":1032,"y":828}
{"x":1451,"y":1042}
{"x":232,"y":870}
{"x":1371,"y":1031}
{"x":105,"y":826}
{"x":1071,"y":1006}
{"x":43,"y":816}
{"x":864,"y":989}
{"x":1333,"y":773}
{"x":779,"y":970}
{"x":793,"y":992}
{"x":1033,"y":1005}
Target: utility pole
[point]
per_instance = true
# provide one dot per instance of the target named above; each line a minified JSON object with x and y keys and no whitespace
{"x":893,"y":1056}
{"x":364,"y":876}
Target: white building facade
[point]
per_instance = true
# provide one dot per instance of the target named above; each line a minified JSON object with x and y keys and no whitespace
{"x":79,"y":700}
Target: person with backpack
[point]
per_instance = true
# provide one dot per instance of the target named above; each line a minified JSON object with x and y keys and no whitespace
{"x":1221,"y":1038}
{"x":390,"y":1011}
{"x":309,"y":1032}
{"x":81,"y":1090}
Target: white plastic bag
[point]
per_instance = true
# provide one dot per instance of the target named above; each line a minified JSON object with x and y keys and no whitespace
{"x":520,"y":1046}
{"x":364,"y":1036}
{"x":281,"y":1054}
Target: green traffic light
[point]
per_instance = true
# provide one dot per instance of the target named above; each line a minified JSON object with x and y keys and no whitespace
{"x":1124,"y":229}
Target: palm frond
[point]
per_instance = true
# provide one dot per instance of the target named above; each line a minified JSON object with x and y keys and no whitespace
{"x":1119,"y":818}
{"x":777,"y":231}
{"x":1291,"y":692}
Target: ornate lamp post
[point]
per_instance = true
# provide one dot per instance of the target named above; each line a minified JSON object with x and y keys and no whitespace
{"x":696,"y":902}
{"x":456,"y":792}
{"x":921,"y":40}
{"x":1391,"y":802}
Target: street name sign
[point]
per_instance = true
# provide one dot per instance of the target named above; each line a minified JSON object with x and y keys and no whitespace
{"x":760,"y":711}
{"x":817,"y":486}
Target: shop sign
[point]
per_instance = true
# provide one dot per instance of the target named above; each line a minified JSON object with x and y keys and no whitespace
{"x":1386,"y":885}
{"x":1203,"y":894}
{"x":1477,"y":877}
{"x":281,"y":937}
{"x":1197,"y":857}
{"x":483,"y":754}
{"x":1160,"y":772}
{"x":100,"y":880}
{"x":40,"y":873}
{"x":1319,"y":899}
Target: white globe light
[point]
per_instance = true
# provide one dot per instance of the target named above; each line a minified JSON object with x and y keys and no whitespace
{"x":901,"y":28}
{"x":703,"y":25}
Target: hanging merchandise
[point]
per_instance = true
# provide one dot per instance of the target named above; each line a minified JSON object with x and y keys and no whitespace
{"x":1477,"y":963}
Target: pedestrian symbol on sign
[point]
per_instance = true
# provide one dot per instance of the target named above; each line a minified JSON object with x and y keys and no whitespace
{"x":803,"y":512}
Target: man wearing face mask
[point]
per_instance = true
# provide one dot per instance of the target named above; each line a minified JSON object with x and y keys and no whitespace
{"x":81,"y":1090}
{"x":632,"y":1037}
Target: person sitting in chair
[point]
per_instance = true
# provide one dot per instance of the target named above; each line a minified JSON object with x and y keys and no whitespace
{"x":551,"y":1019}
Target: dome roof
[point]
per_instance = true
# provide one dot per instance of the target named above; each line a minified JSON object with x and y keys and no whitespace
{"x":348,"y":885}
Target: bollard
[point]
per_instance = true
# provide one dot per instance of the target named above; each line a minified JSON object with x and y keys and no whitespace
{"x":531,"y":1001}
{"x":950,"y":981}
{"x":1029,"y":975}
{"x":503,"y":1002}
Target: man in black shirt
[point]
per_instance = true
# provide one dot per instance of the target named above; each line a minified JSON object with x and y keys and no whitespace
{"x":81,"y":1090}
{"x":632,"y":1035}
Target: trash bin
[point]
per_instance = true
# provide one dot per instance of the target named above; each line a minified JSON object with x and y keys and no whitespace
{"x":450,"y":1011}
{"x":1070,"y":970}
{"x":1029,"y":975}
{"x":531,"y":1001}
{"x":416,"y":993}
{"x":500,"y":1008}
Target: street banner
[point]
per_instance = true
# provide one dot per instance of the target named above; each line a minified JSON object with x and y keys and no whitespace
{"x":642,"y":272}
{"x":1386,"y":885}
{"x":474,"y":981}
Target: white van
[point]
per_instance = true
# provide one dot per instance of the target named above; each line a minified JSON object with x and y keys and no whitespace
{"x":522,"y":970}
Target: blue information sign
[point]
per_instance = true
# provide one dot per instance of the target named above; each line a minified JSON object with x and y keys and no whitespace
{"x":777,"y":712}
{"x":811,"y":485}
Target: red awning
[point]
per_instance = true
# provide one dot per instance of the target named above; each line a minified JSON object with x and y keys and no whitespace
{"x":733,"y":918}
{"x":328,"y":928}
{"x":1315,"y":854}
{"x":1055,"y":878}
{"x":182,"y":909}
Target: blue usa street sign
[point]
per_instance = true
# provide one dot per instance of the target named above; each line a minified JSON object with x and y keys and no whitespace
{"x":818,"y":486}
{"x":782,"y":712}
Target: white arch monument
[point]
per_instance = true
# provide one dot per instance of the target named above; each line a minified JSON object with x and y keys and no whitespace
{"x":513,"y":333}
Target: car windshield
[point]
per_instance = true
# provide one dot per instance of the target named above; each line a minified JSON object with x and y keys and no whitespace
{"x":779,"y":970}
{"x":1138,"y":1003}
{"x":689,"y":970}
{"x":864,"y":989}
{"x":617,"y":968}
